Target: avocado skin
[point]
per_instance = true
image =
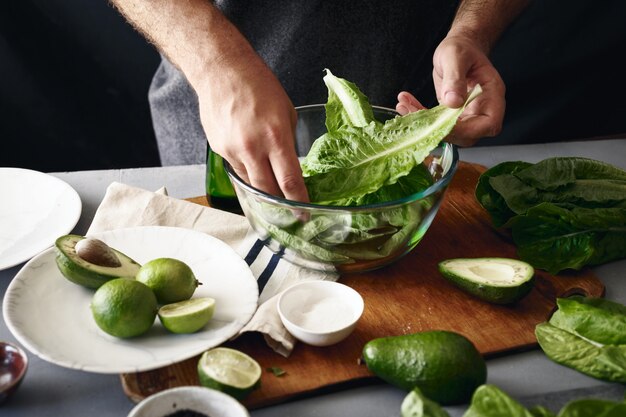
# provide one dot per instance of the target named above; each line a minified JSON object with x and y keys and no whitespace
{"x":444,"y":365}
{"x":81,"y":275}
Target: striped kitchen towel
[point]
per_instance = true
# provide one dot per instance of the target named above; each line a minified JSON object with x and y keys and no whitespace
{"x":126,"y":206}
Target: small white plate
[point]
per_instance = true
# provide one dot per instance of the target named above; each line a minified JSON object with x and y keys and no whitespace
{"x":50,"y":315}
{"x":36,"y":209}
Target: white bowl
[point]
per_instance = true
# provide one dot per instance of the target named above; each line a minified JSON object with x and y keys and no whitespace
{"x":203,"y":400}
{"x":320,"y":313}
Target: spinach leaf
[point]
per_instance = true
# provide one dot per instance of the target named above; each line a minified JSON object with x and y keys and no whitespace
{"x":600,"y":320}
{"x":492,"y":200}
{"x":606,"y":362}
{"x":593,"y":408}
{"x":553,"y":173}
{"x":564,"y":212}
{"x":352,"y":160}
{"x":539,"y":411}
{"x":490,"y":401}
{"x":554,"y":238}
{"x":415,"y":404}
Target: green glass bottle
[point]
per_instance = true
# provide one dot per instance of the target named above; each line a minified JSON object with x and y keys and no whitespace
{"x":219,"y":191}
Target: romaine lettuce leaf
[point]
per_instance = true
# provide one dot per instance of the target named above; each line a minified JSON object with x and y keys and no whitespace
{"x":354,"y":160}
{"x":346,"y":105}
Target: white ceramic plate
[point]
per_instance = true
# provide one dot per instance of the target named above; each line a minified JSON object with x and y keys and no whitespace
{"x":50,"y":315}
{"x":36,"y":209}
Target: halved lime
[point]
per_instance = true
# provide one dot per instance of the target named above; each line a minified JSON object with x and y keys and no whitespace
{"x":230,"y":371}
{"x":187,"y":316}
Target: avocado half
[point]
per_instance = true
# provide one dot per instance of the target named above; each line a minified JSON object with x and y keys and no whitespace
{"x":496,"y":280}
{"x":89,"y":274}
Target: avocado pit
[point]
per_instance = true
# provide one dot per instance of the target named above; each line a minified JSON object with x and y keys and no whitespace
{"x":97,"y":252}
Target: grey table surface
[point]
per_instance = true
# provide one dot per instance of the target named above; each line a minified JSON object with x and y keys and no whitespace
{"x":50,"y":390}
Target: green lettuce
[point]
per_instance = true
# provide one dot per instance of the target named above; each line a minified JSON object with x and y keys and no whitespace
{"x":587,"y":334}
{"x":362,"y":161}
{"x":564,"y":212}
{"x":356,"y":159}
{"x":416,"y":404}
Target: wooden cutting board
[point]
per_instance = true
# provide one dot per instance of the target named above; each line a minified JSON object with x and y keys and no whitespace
{"x":406,"y":297}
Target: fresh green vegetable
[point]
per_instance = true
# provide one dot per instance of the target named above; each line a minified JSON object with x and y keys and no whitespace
{"x":496,"y":280}
{"x":539,"y":411}
{"x":444,"y":365}
{"x":415,"y":404}
{"x":362,"y":161}
{"x":491,"y":401}
{"x":587,"y":334}
{"x":357,"y":159}
{"x":593,"y":408}
{"x":564,"y":213}
{"x":596,"y":319}
{"x":90,"y":262}
{"x":276,"y":370}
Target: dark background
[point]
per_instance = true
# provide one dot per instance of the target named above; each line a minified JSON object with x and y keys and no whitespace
{"x":74,"y":78}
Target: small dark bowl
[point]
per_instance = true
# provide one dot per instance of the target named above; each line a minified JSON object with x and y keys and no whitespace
{"x":13,"y":364}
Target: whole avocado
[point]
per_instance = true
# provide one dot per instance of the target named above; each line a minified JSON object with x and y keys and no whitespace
{"x":445,"y":365}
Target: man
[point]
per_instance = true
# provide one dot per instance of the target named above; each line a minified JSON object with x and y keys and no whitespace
{"x":233,"y":69}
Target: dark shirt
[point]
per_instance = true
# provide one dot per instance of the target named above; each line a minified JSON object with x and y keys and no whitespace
{"x":384,"y":47}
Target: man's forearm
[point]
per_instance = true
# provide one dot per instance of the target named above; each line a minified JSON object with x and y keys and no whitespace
{"x":192,"y":34}
{"x":485,"y":20}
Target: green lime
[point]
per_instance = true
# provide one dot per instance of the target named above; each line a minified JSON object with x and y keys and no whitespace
{"x":171,"y":280}
{"x":124,"y":307}
{"x":444,"y":365}
{"x":230,"y":371}
{"x":187,"y":316}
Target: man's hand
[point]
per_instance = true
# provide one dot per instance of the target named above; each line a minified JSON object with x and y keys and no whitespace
{"x":461,"y":61}
{"x":458,"y":65}
{"x":246,"y":115}
{"x":250,"y":121}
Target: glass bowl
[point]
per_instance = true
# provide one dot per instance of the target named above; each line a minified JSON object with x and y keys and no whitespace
{"x":344,"y":239}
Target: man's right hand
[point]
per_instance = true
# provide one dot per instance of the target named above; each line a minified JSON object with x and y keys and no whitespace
{"x":244,"y":110}
{"x":250,"y":121}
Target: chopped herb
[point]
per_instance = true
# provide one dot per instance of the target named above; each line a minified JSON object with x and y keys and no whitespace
{"x":277,"y":371}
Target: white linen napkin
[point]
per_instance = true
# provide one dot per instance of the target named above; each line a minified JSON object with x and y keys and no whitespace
{"x":127,"y":206}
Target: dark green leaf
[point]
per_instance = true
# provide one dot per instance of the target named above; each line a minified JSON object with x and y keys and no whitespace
{"x":492,"y":200}
{"x":415,"y":404}
{"x":597,"y":319}
{"x":539,"y":411}
{"x":552,"y":173}
{"x":593,"y":408}
{"x":277,"y":371}
{"x":602,"y":362}
{"x":491,"y":401}
{"x":554,"y":238}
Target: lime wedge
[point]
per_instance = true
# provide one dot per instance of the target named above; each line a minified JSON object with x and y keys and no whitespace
{"x":230,"y":371}
{"x":187,"y":316}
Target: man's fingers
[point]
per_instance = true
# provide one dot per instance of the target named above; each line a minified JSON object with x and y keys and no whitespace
{"x":289,"y":177}
{"x":262,"y":177}
{"x":451,"y":69}
{"x":407,"y":103}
